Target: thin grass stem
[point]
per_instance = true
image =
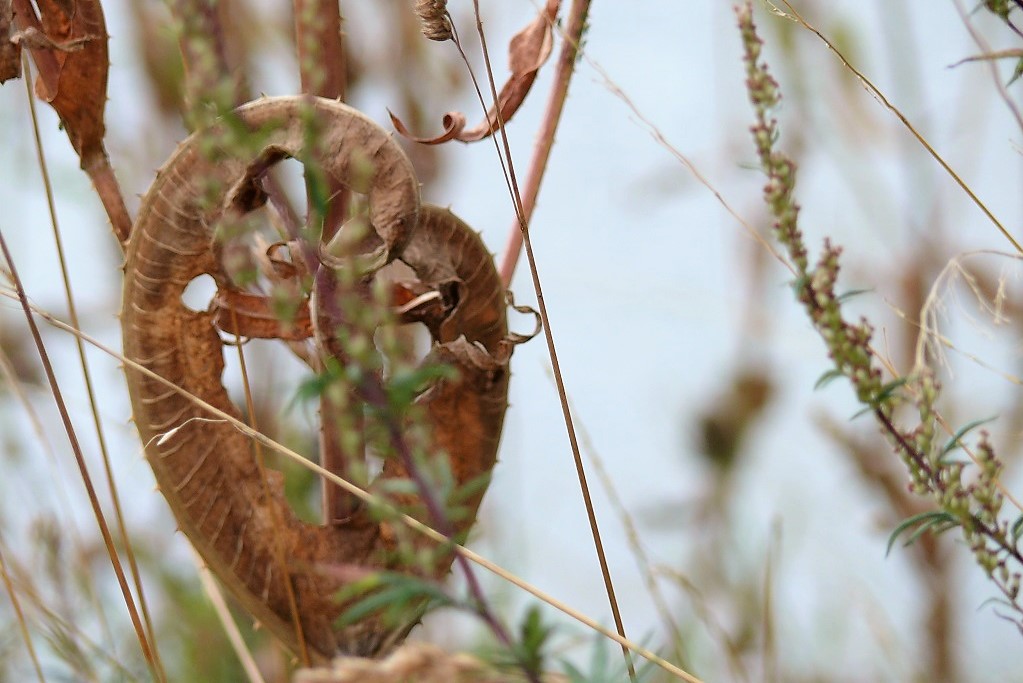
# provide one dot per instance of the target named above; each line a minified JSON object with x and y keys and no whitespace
{"x":12,"y":595}
{"x":90,"y":391}
{"x":369,"y":498}
{"x":278,"y":522}
{"x":97,"y":510}
{"x":552,"y":351}
{"x":874,"y":90}
{"x":234,"y":636}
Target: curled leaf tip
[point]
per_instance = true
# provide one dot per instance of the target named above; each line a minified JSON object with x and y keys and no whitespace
{"x":453,"y":122}
{"x":434,"y":16}
{"x":527,"y":52}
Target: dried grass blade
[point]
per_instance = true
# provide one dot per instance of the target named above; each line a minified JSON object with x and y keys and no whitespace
{"x":372,"y":499}
{"x":507,"y":163}
{"x":83,"y":469}
{"x":874,"y":90}
{"x":90,"y":390}
{"x":12,"y":595}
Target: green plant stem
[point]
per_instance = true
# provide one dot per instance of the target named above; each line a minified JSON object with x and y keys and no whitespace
{"x":370,"y":499}
{"x":375,"y":396}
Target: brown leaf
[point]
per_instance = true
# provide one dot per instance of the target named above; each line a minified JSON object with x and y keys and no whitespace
{"x":73,"y":81}
{"x":454,"y":122}
{"x":527,"y":52}
{"x":10,"y":52}
{"x":259,"y":317}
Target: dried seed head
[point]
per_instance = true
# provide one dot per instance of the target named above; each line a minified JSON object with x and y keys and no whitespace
{"x":434,"y":15}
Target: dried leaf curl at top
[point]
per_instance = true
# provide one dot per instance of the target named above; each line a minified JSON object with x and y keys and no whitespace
{"x":527,"y":52}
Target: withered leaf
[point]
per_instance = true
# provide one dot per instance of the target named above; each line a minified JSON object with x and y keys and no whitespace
{"x":257,"y":317}
{"x":527,"y":52}
{"x":10,"y":52}
{"x":73,"y":81}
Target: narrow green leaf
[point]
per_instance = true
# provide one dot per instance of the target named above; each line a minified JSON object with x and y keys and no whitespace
{"x":936,"y":526}
{"x":1017,"y":528}
{"x":851,"y":294}
{"x":406,"y":384}
{"x":956,"y":440}
{"x":932,"y":517}
{"x":995,"y":600}
{"x":888,"y":389}
{"x":395,"y":593}
{"x":573,"y":673}
{"x":1017,"y":72}
{"x":827,"y":378}
{"x":861,"y":411}
{"x":469,"y":489}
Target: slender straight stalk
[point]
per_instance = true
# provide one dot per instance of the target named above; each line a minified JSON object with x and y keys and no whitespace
{"x":12,"y":595}
{"x":577,"y":22}
{"x":282,"y":561}
{"x":322,"y":71}
{"x":97,"y":510}
{"x":370,"y":499}
{"x":563,"y":71}
{"x":119,"y":225}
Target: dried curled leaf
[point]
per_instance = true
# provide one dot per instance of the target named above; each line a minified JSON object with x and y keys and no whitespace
{"x":527,"y":52}
{"x":250,"y":315}
{"x":245,"y":529}
{"x":72,"y":64}
{"x":10,"y":52}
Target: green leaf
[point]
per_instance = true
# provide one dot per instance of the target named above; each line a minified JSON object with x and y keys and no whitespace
{"x":310,"y":389}
{"x":469,"y":489}
{"x":1017,"y":72}
{"x":851,"y":294}
{"x":936,"y":526}
{"x":885,"y":392}
{"x":406,"y":384}
{"x":1016,"y":530}
{"x":401,"y":486}
{"x":861,"y":411}
{"x":827,"y":378}
{"x":995,"y":600}
{"x":956,"y":440}
{"x":534,"y":635}
{"x":313,"y":387}
{"x":573,"y":673}
{"x":927,"y":519}
{"x":392,"y":592}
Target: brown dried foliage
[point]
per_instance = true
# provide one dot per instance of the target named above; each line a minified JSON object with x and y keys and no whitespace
{"x":207,"y":472}
{"x":527,"y":52}
{"x":70,"y":52}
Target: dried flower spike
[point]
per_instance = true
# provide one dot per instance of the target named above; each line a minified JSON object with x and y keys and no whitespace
{"x":435,"y":18}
